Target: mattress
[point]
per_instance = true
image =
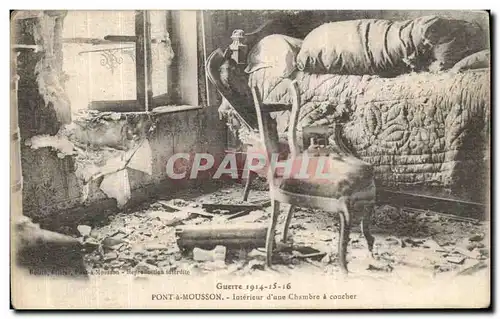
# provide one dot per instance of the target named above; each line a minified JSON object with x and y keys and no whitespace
{"x":429,"y":129}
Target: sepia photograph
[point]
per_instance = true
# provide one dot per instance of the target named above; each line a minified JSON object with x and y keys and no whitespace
{"x":250,"y":159}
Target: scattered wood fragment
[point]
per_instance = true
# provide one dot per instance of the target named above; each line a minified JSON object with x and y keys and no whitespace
{"x":263,"y":202}
{"x":455,"y":260}
{"x":231,"y":208}
{"x":383,"y":268}
{"x":239,"y":214}
{"x":187,"y":209}
{"x":317,"y":256}
{"x":304,"y":250}
{"x":449,"y":216}
{"x":168,"y":206}
{"x":201,"y":213}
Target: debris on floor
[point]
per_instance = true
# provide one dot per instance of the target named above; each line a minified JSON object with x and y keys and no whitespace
{"x":147,"y":240}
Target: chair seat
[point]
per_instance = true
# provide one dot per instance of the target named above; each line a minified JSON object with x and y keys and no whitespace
{"x":331,"y":176}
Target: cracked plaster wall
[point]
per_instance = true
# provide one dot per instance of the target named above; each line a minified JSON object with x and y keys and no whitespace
{"x":55,"y":182}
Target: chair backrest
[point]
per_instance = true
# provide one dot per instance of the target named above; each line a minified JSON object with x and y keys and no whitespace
{"x":242,"y":106}
{"x":267,"y":127}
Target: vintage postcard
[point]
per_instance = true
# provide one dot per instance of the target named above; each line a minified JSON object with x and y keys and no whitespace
{"x":272,"y":159}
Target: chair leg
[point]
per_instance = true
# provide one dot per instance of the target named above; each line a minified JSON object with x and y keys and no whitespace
{"x":345,"y":230}
{"x":287,"y":223}
{"x":275,"y":210}
{"x":251,"y":177}
{"x":365,"y":226}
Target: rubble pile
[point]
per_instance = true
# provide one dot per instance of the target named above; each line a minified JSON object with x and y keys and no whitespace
{"x":145,"y":241}
{"x":141,"y":241}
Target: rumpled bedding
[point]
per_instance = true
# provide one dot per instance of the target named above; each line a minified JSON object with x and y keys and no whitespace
{"x":416,"y":129}
{"x":389,"y":48}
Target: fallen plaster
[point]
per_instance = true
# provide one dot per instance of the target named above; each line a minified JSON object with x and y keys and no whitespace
{"x":104,"y":144}
{"x":116,"y":185}
{"x":409,"y":246}
{"x":60,"y":144}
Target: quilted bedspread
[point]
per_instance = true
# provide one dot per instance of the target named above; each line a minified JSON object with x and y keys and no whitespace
{"x":416,"y":129}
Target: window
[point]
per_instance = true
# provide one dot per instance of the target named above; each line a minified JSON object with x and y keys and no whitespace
{"x":124,"y":61}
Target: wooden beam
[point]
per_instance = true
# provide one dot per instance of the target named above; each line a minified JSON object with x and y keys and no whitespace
{"x":230,"y":207}
{"x":206,"y":28}
{"x":245,"y":235}
{"x":140,"y":59}
{"x":149,"y":103}
{"x":170,"y":92}
{"x":143,"y":60}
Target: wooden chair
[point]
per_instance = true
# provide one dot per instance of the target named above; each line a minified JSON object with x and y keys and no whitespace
{"x":350,"y":186}
{"x":245,"y":111}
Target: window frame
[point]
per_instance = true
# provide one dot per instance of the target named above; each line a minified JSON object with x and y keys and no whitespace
{"x":183,"y":74}
{"x":144,"y":93}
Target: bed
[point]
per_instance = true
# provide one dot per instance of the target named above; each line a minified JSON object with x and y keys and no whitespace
{"x":427,"y":133}
{"x":428,"y":130}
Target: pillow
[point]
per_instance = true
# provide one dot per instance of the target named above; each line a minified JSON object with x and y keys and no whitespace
{"x":381,"y":47}
{"x":274,"y":51}
{"x":453,"y":40}
{"x":477,"y":60}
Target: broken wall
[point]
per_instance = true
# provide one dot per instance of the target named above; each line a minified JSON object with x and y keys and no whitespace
{"x":65,"y":168}
{"x":57,"y":181}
